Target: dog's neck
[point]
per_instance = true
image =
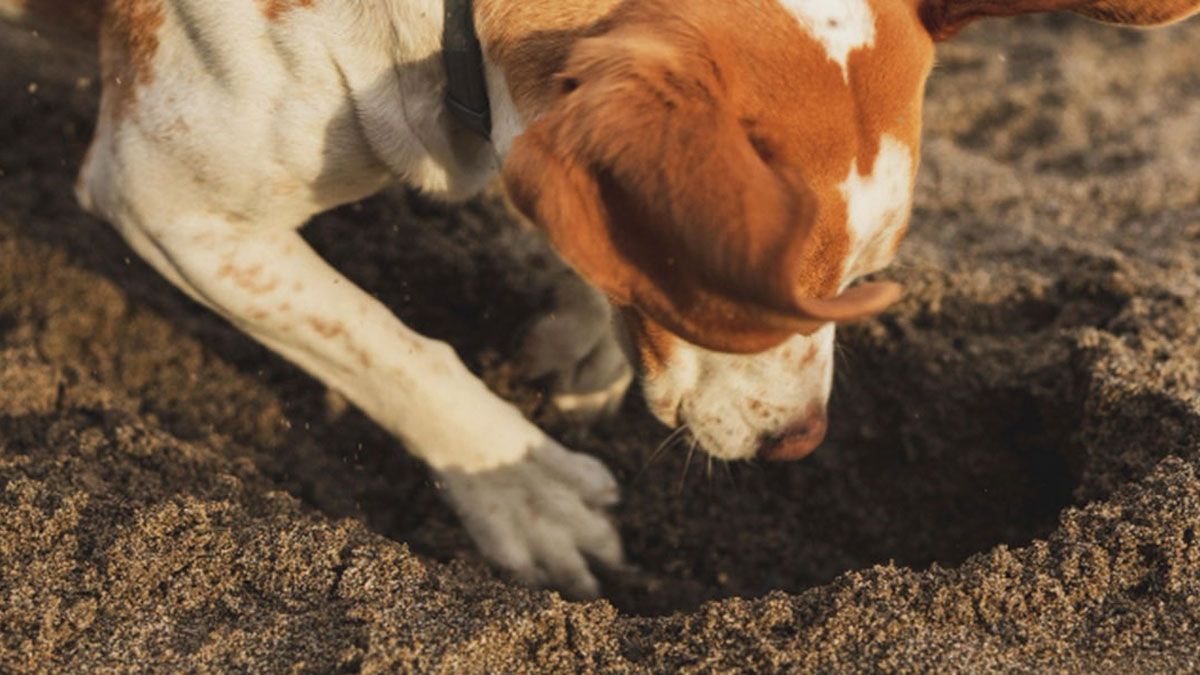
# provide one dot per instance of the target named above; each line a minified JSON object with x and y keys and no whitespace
{"x":528,"y":40}
{"x":466,"y":88}
{"x":524,"y":44}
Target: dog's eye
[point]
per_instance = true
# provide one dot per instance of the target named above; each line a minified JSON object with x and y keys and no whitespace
{"x":761,"y":145}
{"x":569,"y":84}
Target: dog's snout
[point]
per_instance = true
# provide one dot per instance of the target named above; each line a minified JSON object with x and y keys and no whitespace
{"x":799,"y":441}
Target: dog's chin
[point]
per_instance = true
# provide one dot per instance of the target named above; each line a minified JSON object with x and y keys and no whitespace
{"x":720,"y":434}
{"x":728,"y":443}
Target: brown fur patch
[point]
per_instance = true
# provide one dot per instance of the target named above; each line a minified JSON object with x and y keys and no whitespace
{"x":654,"y":344}
{"x":363,"y":358}
{"x":1140,"y":12}
{"x":128,"y":44}
{"x":810,"y":356}
{"x":326,"y":329}
{"x":249,"y":279}
{"x":276,"y":9}
{"x":532,"y":41}
{"x":945,"y":18}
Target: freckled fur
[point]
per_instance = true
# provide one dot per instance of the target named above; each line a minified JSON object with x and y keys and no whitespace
{"x":275,"y":9}
{"x":326,"y":329}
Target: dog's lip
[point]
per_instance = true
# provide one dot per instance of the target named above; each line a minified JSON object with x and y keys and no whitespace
{"x":676,"y":416}
{"x":667,"y":411}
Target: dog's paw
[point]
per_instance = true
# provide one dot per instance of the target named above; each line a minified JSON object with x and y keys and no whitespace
{"x":542,"y":519}
{"x":575,"y":350}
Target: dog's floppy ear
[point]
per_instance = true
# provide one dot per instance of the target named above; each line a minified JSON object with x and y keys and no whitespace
{"x":944,"y":18}
{"x":1140,"y":12}
{"x":651,"y":187}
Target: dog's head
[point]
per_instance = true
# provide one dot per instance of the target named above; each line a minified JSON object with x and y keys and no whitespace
{"x":726,"y":169}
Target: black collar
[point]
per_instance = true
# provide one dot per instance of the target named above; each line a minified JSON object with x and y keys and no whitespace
{"x":466,"y":87}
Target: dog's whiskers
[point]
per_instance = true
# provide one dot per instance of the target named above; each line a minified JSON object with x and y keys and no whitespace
{"x":708,"y":475}
{"x":667,"y":442}
{"x":843,"y":354}
{"x":687,"y":465}
{"x":671,"y":439}
{"x":729,"y":472}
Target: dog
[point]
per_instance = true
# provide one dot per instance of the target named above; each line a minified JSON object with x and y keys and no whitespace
{"x":720,"y":172}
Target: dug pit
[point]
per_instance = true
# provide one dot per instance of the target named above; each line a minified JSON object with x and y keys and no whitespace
{"x":956,"y":428}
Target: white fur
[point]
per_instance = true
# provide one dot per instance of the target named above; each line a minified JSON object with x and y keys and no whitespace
{"x":841,"y":26}
{"x":506,"y":121}
{"x":249,"y":128}
{"x":732,"y":402}
{"x":879,"y":205}
{"x":540,"y":518}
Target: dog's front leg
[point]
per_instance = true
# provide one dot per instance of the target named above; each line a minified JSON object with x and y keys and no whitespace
{"x":573,"y":345}
{"x":533,"y":507}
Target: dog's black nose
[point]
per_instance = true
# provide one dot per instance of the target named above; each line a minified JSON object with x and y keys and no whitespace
{"x":799,"y":441}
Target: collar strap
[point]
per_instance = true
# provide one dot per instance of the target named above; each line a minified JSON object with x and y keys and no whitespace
{"x":466,"y":87}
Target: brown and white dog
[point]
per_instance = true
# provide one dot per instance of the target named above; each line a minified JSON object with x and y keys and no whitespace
{"x":720,"y":170}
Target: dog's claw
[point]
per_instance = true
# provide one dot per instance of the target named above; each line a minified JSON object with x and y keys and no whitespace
{"x":542,"y":519}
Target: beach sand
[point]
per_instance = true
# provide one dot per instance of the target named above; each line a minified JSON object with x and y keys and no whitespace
{"x":1010,"y":482}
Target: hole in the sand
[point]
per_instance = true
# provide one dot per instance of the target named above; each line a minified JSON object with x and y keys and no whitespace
{"x":934,"y":482}
{"x":7,"y":325}
{"x":946,"y":442}
{"x":955,"y":429}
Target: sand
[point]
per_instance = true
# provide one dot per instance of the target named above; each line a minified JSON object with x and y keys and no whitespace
{"x":1011,"y":481}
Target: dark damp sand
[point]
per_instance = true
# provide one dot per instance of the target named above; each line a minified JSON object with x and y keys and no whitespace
{"x":1011,"y":482}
